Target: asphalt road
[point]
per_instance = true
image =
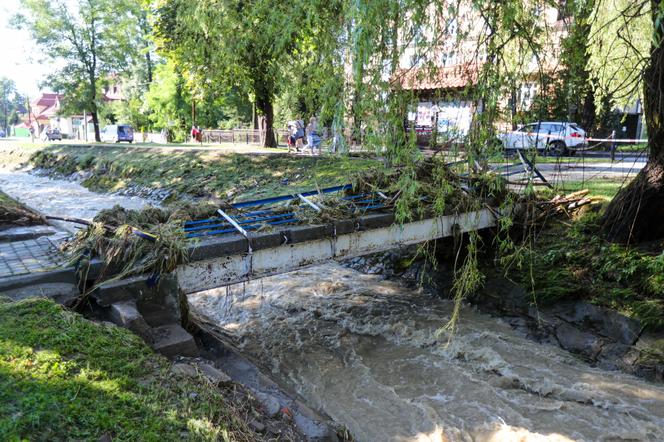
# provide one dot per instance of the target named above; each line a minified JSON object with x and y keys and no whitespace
{"x":588,"y":168}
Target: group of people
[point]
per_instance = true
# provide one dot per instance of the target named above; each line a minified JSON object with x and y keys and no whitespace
{"x":297,"y":133}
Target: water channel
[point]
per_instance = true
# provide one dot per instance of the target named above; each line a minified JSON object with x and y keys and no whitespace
{"x":365,"y":351}
{"x":59,"y":197}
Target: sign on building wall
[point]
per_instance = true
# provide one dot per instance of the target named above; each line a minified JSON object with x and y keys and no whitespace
{"x":454,"y":117}
{"x":423,"y":114}
{"x":451,"y":118}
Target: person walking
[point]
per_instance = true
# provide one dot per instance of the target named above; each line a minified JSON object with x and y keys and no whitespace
{"x":299,"y":134}
{"x":313,"y":140}
{"x":291,"y":128}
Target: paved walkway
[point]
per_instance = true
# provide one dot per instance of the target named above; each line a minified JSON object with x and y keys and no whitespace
{"x":30,"y":256}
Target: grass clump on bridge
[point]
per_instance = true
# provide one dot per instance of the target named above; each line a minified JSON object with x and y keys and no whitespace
{"x":63,"y":377}
{"x":150,"y":241}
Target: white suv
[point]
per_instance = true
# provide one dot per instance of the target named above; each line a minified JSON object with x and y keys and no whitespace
{"x":556,"y":137}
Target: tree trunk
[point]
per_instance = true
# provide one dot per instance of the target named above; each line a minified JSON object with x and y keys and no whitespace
{"x":264,"y":105}
{"x":637,"y":212}
{"x":95,"y":124}
{"x":588,"y":112}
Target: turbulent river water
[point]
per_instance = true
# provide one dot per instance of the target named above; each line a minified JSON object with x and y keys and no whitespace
{"x":365,"y":351}
{"x":59,"y":197}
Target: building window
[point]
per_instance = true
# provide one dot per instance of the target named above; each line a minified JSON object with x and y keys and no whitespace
{"x":452,"y":28}
{"x":416,"y":60}
{"x":448,"y":58}
{"x":418,"y":35}
{"x":527,"y":95}
{"x":481,"y":53}
{"x":563,"y":11}
{"x":539,"y":9}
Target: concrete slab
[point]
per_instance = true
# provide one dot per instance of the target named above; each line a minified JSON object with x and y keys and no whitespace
{"x":157,"y":314}
{"x":219,"y":272}
{"x":129,"y":289}
{"x":307,"y":233}
{"x":126,"y":314}
{"x":267,"y":240}
{"x":218,"y":246}
{"x":56,"y":284}
{"x":60,"y":292}
{"x":345,"y":226}
{"x":376,"y":220}
{"x":173,"y":340}
{"x":23,"y":233}
{"x":213,"y":374}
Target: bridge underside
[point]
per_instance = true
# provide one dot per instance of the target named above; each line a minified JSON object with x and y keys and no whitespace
{"x":207,"y":272}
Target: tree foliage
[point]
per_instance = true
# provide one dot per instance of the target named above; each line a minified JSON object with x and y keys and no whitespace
{"x":11,"y":104}
{"x":90,"y":39}
{"x":621,"y":35}
{"x":249,"y":46}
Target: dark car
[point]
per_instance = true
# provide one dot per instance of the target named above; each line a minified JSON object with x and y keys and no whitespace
{"x":53,"y":134}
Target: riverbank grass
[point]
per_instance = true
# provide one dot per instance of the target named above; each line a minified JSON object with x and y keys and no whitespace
{"x":195,"y":173}
{"x":572,"y":261}
{"x":63,"y":377}
{"x":599,"y":189}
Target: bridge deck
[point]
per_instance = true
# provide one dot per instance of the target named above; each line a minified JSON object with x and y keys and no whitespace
{"x":230,"y":260}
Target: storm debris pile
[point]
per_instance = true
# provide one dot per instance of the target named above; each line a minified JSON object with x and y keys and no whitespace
{"x":13,"y":213}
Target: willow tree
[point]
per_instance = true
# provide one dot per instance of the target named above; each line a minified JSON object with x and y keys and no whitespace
{"x":246,"y":45}
{"x":627,"y":61}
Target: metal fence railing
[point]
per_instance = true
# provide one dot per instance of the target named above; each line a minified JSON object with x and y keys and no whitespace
{"x":249,"y":136}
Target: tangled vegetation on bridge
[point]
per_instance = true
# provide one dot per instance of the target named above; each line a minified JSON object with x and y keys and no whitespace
{"x":13,"y":213}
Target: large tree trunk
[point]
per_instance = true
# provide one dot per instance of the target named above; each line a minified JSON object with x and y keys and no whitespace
{"x":637,"y":212}
{"x":95,"y":124}
{"x":264,"y":105}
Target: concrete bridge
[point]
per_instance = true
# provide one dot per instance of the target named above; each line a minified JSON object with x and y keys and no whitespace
{"x":229,"y":260}
{"x":230,"y":249}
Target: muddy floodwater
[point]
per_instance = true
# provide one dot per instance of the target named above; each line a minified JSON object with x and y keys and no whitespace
{"x":59,"y":197}
{"x":365,"y":351}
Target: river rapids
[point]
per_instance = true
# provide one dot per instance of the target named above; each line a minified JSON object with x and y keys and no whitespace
{"x":368,"y":353}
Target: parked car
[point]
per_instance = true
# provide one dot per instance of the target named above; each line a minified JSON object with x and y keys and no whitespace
{"x":559,"y":138}
{"x":116,"y":133}
{"x":53,"y":134}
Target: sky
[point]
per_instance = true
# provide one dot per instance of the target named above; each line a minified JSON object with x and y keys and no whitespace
{"x":20,"y":59}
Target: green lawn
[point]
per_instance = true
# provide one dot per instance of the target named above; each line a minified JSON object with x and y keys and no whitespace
{"x":573,"y":261}
{"x":63,"y":377}
{"x":604,"y":188}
